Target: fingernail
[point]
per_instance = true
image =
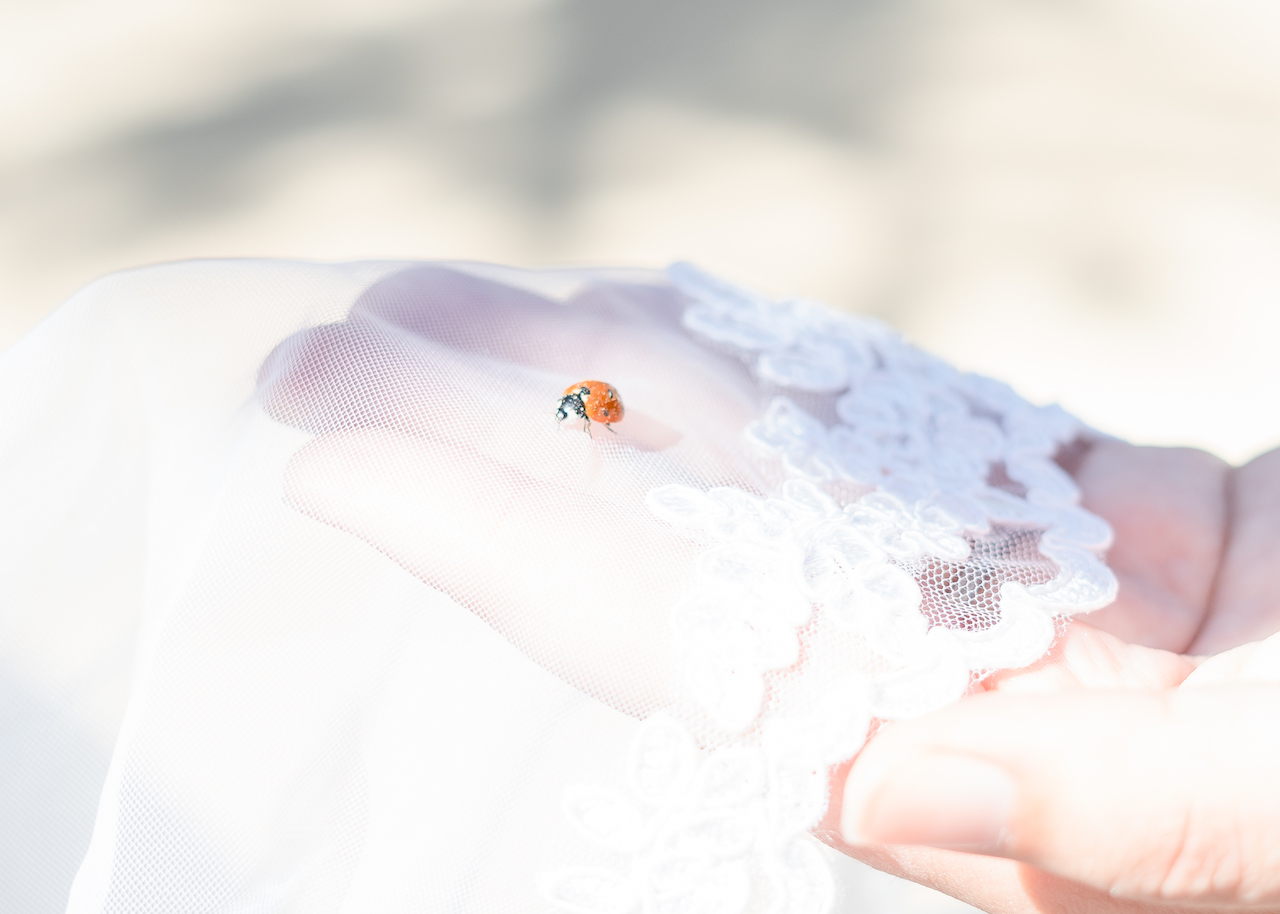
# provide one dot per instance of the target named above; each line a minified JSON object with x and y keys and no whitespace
{"x":948,"y":801}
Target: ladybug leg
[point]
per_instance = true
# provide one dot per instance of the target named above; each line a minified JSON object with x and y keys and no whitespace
{"x":610,"y":428}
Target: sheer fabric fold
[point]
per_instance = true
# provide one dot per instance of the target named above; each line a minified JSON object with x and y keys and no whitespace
{"x":307,"y":603}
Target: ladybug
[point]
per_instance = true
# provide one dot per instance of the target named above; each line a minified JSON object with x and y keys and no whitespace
{"x":591,"y":401}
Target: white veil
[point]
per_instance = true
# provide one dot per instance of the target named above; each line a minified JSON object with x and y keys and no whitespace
{"x":308,"y":604}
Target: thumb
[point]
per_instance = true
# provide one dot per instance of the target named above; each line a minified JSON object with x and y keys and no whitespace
{"x":1159,"y":796}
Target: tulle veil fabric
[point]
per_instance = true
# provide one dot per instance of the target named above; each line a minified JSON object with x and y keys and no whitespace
{"x":308,"y":604}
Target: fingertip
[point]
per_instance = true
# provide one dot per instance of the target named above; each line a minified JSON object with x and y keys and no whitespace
{"x":943,"y":800}
{"x":644,"y":433}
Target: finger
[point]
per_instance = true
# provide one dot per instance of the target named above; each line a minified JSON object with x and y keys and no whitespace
{"x":1168,"y":509}
{"x":997,"y":885}
{"x":370,"y":372}
{"x":1082,"y":658}
{"x":992,"y":884}
{"x":614,"y":332}
{"x":590,"y":328}
{"x":1155,"y":797}
{"x":566,"y":576}
{"x":1246,"y":602}
{"x":1257,"y":661}
{"x":1086,"y":658}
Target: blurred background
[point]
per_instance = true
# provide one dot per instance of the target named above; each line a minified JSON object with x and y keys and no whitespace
{"x":1079,"y":196}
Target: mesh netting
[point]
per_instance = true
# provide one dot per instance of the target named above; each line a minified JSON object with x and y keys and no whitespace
{"x":966,"y":595}
{"x":350,"y":614}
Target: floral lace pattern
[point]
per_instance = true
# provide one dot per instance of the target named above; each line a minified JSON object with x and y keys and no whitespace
{"x":919,"y":542}
{"x":705,"y":832}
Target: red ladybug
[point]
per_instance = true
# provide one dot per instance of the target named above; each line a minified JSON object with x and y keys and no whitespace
{"x":591,"y":401}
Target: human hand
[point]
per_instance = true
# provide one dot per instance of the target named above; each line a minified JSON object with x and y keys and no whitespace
{"x":1111,"y":776}
{"x":429,"y":447}
{"x":433,"y":406}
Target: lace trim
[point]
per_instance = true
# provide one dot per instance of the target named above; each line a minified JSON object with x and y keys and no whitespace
{"x":706,"y":832}
{"x":923,"y":540}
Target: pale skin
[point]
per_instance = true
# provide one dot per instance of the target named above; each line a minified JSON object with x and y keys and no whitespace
{"x":1137,"y":768}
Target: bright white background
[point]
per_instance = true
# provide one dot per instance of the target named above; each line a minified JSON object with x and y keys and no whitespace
{"x":1080,"y":196}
